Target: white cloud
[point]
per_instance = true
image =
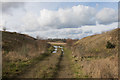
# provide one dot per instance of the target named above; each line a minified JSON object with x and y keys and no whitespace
{"x":74,"y":17}
{"x":30,"y":22}
{"x":76,"y":22}
{"x":107,"y":16}
{"x":74,"y":32}
{"x":2,"y":23}
{"x":98,"y":28}
{"x":65,"y":18}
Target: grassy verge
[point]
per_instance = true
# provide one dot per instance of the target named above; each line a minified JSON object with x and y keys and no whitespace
{"x":68,"y":54}
{"x":94,"y":67}
{"x":13,"y":69}
{"x":54,"y":65}
{"x":76,"y":67}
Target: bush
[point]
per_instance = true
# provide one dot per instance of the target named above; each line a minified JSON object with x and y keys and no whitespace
{"x":110,"y":45}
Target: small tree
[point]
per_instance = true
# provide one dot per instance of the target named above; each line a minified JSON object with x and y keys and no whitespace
{"x":110,"y":45}
{"x":39,"y":38}
{"x":69,"y":42}
{"x":4,"y":28}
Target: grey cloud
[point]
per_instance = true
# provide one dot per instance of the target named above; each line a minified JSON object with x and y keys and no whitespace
{"x":74,"y":17}
{"x":8,"y":6}
{"x":74,"y":33}
{"x":76,"y":22}
{"x":89,"y":31}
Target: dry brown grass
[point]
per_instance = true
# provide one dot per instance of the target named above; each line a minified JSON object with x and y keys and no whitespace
{"x":19,"y":49}
{"x":23,"y":53}
{"x":17,"y":46}
{"x":96,"y":60}
{"x":97,"y":44}
{"x":101,"y":68}
{"x":57,"y":43}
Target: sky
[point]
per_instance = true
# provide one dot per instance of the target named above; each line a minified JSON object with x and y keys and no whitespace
{"x":59,"y":19}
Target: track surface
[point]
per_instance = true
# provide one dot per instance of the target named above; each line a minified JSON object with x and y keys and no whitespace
{"x":57,"y":65}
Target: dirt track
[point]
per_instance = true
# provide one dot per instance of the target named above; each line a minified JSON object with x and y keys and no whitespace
{"x":56,"y":65}
{"x":65,"y":68}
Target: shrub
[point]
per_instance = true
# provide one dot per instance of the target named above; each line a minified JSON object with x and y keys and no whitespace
{"x":4,"y":28}
{"x":110,"y":45}
{"x":69,"y":42}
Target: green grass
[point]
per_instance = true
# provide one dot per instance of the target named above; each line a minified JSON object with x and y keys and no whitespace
{"x":14,"y":68}
{"x":76,"y":67}
{"x":51,"y":49}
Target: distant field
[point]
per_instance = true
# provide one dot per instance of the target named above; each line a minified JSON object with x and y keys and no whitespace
{"x":57,"y":43}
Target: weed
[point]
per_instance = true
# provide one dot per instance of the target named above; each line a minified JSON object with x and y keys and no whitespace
{"x":109,"y":45}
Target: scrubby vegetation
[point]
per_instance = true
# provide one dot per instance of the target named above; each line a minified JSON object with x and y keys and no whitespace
{"x":110,"y":45}
{"x":61,"y":40}
{"x":91,"y":57}
{"x":56,"y":40}
{"x":70,"y":42}
{"x":20,"y":51}
{"x":97,"y":56}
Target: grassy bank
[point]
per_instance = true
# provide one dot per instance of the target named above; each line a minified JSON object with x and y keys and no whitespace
{"x":96,"y":56}
{"x":15,"y":68}
{"x":46,"y":68}
{"x":92,"y":66}
{"x":75,"y":68}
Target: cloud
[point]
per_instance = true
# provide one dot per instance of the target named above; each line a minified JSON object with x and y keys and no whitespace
{"x":67,"y":18}
{"x":74,"y":33}
{"x":98,"y":28}
{"x":30,"y":22}
{"x":107,"y":16}
{"x":8,"y":6}
{"x":74,"y":17}
{"x":75,"y":22}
